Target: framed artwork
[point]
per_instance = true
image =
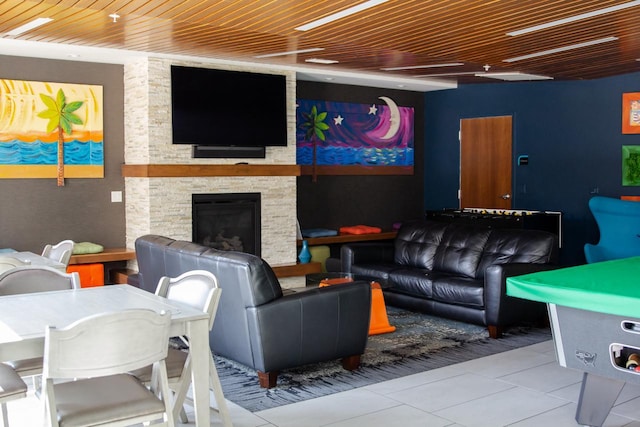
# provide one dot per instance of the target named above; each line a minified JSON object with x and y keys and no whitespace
{"x":631,"y":112}
{"x":631,"y":165}
{"x":51,"y":130}
{"x":339,"y":138}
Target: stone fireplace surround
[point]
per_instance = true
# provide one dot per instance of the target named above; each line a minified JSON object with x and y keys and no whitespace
{"x":162,"y":204}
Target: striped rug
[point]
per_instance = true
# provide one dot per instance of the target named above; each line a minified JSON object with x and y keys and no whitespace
{"x":420,"y":343}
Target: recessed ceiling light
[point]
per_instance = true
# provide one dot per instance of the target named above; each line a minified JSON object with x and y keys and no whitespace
{"x":575,"y":18}
{"x":321,"y":61}
{"x":463,"y":73}
{"x":290,"y":52}
{"x":339,"y":15}
{"x":513,"y":76}
{"x":28,"y":26}
{"x":415,"y":67}
{"x":561,"y":49}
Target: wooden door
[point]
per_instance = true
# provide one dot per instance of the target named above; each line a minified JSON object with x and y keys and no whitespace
{"x":485,"y":162}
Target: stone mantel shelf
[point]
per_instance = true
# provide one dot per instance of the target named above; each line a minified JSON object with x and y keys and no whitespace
{"x":186,"y":170}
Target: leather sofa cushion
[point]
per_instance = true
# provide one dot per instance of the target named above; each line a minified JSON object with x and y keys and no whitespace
{"x":416,"y":243}
{"x":413,"y":281}
{"x":374,"y":271}
{"x":459,"y":291}
{"x":522,"y":246}
{"x":460,"y":250}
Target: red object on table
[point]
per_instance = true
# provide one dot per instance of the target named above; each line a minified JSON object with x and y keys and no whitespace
{"x":90,"y":274}
{"x":360,"y":229}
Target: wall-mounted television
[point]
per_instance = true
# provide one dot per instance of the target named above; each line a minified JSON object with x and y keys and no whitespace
{"x":228,"y":109}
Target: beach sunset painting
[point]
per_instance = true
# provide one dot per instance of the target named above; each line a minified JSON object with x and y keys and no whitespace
{"x":50,"y":130}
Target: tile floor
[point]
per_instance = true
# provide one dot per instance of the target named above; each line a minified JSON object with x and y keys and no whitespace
{"x":520,"y":388}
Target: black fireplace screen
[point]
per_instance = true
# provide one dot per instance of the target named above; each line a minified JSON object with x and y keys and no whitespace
{"x":229,"y":222}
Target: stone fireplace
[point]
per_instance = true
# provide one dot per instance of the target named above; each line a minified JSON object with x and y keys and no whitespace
{"x":227,"y":222}
{"x":161,"y":203}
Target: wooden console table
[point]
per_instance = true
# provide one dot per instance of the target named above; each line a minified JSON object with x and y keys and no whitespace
{"x":123,"y":254}
{"x":348,"y":238}
{"x":293,"y":270}
{"x":116,"y":275}
{"x":107,"y":255}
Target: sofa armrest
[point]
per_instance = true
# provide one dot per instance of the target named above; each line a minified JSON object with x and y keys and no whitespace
{"x":311,"y":326}
{"x":366,"y":252}
{"x":502,"y":309}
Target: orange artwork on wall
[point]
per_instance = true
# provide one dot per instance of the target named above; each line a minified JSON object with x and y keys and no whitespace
{"x":631,"y":112}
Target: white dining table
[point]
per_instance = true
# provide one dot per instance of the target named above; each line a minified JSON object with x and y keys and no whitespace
{"x":35,"y":259}
{"x":24,"y":317}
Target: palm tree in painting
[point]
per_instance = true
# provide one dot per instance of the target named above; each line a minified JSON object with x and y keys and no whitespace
{"x":314,"y":127}
{"x":61,"y":118}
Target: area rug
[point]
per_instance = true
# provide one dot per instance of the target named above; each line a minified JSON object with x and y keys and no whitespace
{"x":420,"y":343}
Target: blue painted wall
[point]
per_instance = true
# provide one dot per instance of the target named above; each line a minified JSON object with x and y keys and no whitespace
{"x":570,"y":130}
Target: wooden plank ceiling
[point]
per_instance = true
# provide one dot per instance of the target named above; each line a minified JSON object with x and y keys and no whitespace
{"x":398,"y":33}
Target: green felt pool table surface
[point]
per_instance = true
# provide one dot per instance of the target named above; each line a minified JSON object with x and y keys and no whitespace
{"x":611,"y":287}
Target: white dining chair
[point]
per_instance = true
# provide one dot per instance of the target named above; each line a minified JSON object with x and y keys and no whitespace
{"x":12,"y":387}
{"x":8,"y":263}
{"x":85,"y":379}
{"x":36,"y":278}
{"x":29,"y":279}
{"x":60,"y":252}
{"x":199,"y":289}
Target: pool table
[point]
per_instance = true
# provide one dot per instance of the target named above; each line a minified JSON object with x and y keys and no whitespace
{"x":594,"y":311}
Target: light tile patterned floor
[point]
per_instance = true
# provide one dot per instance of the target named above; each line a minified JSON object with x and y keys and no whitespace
{"x":519,"y":388}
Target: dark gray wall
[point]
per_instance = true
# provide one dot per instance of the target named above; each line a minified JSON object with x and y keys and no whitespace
{"x":335,"y":201}
{"x":34,"y":212}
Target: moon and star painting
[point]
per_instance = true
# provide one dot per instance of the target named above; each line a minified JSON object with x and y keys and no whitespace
{"x":348,"y":134}
{"x":51,"y":129}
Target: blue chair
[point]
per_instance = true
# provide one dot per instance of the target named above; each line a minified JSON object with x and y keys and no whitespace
{"x":619,"y":224}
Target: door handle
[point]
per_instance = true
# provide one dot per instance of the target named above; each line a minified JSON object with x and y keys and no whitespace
{"x":506,"y":196}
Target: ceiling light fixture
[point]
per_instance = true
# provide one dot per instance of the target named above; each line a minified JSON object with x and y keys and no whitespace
{"x":114,"y":16}
{"x":290,"y":52}
{"x":575,"y":18}
{"x":416,"y":67}
{"x":463,"y":73}
{"x":321,"y":61}
{"x":28,"y":26}
{"x":339,"y":15}
{"x":513,"y":76}
{"x":561,"y":49}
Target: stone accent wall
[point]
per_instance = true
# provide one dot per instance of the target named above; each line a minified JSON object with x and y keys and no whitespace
{"x":163,"y":205}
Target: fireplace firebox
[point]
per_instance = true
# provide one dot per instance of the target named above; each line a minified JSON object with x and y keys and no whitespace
{"x":229,"y":222}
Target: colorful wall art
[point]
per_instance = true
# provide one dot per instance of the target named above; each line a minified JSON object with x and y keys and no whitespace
{"x":631,"y":165}
{"x":50,"y":130}
{"x":631,"y":112}
{"x":347,"y":134}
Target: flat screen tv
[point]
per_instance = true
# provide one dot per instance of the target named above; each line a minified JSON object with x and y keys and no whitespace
{"x":228,"y":108}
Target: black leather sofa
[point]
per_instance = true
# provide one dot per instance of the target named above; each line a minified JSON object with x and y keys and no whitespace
{"x":256,"y":324}
{"x":456,"y":271}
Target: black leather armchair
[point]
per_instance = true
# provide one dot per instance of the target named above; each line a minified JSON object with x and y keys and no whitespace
{"x":256,"y":324}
